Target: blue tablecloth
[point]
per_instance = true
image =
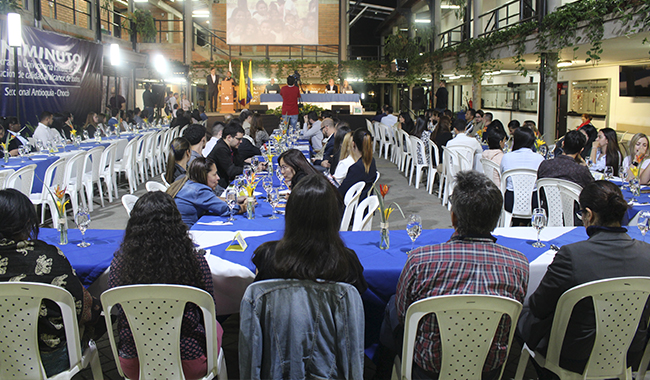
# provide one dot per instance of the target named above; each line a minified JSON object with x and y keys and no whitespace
{"x":42,"y":163}
{"x":314,"y":98}
{"x":637,"y":206}
{"x":89,"y":262}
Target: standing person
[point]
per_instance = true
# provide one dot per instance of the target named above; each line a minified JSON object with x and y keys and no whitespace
{"x":290,"y":95}
{"x":117,"y":101}
{"x":605,"y":151}
{"x":442,"y":96}
{"x":157,"y":249}
{"x":364,"y":169}
{"x":148,"y":100}
{"x":213,"y":89}
{"x":185,"y":103}
{"x":586,"y":119}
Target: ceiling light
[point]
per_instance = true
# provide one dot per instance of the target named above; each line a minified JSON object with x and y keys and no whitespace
{"x":422,"y":21}
{"x":564,"y":63}
{"x":449,"y":6}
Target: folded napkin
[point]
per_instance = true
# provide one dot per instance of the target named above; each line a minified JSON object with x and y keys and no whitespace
{"x":215,"y":223}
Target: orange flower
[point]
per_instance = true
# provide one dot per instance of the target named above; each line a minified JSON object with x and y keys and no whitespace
{"x":59,"y":193}
{"x":383,"y":190}
{"x":639,"y":158}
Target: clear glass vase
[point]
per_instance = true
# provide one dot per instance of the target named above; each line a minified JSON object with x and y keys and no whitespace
{"x":250,"y":207}
{"x":6,"y":155}
{"x":63,"y":231}
{"x":384,"y":242}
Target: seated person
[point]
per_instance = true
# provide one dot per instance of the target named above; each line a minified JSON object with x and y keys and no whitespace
{"x":471,"y":262}
{"x":608,"y":253}
{"x":179,"y":159}
{"x":157,"y":249}
{"x":195,"y":134}
{"x":605,"y":151}
{"x":312,"y":210}
{"x":272,"y":87}
{"x":639,"y":156}
{"x":113,"y":122}
{"x":332,"y":87}
{"x":329,"y":130}
{"x":225,"y":154}
{"x":346,"y":156}
{"x":91,"y":126}
{"x":346,"y":87}
{"x":364,"y":169}
{"x":294,"y":167}
{"x":311,"y":131}
{"x":258,"y":133}
{"x":566,"y":165}
{"x":43,"y":131}
{"x":342,"y":128}
{"x":194,"y":193}
{"x":496,"y":140}
{"x":28,"y":259}
{"x":521,"y":157}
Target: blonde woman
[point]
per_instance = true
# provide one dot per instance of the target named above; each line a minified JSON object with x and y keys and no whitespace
{"x":347,"y":158}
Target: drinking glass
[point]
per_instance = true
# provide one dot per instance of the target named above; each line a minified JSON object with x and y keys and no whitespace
{"x":40,"y":146}
{"x":231,"y":201}
{"x":543,"y":150}
{"x":247,"y":171}
{"x":274,"y":199}
{"x":414,"y":228}
{"x":550,"y":155}
{"x":538,"y":220}
{"x":21,"y":152}
{"x":278,"y":173}
{"x":635,"y":187}
{"x":82,"y":219}
{"x":643,"y":223}
{"x":267,"y":183}
{"x":609,"y":172}
{"x":85,"y":134}
{"x":254,"y":163}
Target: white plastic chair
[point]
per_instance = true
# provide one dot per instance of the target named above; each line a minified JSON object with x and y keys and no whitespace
{"x":54,"y":175}
{"x":385,"y":139}
{"x":20,"y":308}
{"x":570,"y":195}
{"x":120,"y":147}
{"x":421,"y":161}
{"x":467,"y":325}
{"x":523,"y":184}
{"x":407,"y":149}
{"x":456,"y":161}
{"x":22,"y":179}
{"x":128,"y":201}
{"x":155,"y":186}
{"x":91,"y":177}
{"x":164,"y":180}
{"x":351,"y":200}
{"x":490,"y":168}
{"x":107,"y":171}
{"x":4,"y":174}
{"x":433,"y":165}
{"x":376,"y":136}
{"x":398,"y":153}
{"x":73,"y":179}
{"x":618,"y":305}
{"x":155,"y":313}
{"x":141,"y":156}
{"x":367,"y":207}
{"x":158,"y":152}
{"x":551,"y":190}
{"x":376,"y":179}
{"x":128,"y":165}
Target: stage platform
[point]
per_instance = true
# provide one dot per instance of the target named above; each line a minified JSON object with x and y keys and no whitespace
{"x":272,"y":121}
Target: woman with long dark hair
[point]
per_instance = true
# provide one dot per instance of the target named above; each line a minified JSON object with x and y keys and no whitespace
{"x":27,"y":259}
{"x":157,"y":249}
{"x":258,"y":133}
{"x":194,"y":193}
{"x":591,"y":133}
{"x":406,"y":123}
{"x":294,"y":167}
{"x":420,"y":126}
{"x":364,"y":169}
{"x":342,"y":129}
{"x":605,"y":151}
{"x":91,"y":124}
{"x":311,"y":248}
{"x":178,"y":158}
{"x":521,"y":157}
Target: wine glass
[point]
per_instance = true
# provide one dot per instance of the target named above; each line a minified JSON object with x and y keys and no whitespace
{"x":254,"y":163}
{"x":543,"y":150}
{"x":538,"y":220}
{"x":267,"y":183}
{"x":21,"y":152}
{"x":550,"y":155}
{"x":609,"y":172}
{"x":82,"y":219}
{"x":85,"y":134}
{"x":274,"y":197}
{"x":414,"y":228}
{"x":635,"y":187}
{"x":278,"y":173}
{"x":643,"y":223}
{"x":247,"y":171}
{"x":231,"y":201}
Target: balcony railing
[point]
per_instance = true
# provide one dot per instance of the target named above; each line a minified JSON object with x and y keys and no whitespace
{"x":453,"y":36}
{"x":365,"y":52}
{"x":169,"y":31}
{"x":507,"y":15}
{"x":75,"y":12}
{"x":112,"y":24}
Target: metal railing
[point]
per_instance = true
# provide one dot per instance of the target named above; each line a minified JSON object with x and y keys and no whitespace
{"x":365,"y":52}
{"x":453,"y":36}
{"x":169,"y":31}
{"x":509,"y":14}
{"x":67,"y":11}
{"x":111,"y":22}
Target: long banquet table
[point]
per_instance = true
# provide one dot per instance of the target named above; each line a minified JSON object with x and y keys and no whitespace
{"x":322,"y":100}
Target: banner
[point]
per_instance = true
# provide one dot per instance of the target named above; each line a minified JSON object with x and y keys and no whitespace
{"x":272,"y":22}
{"x":55,"y":73}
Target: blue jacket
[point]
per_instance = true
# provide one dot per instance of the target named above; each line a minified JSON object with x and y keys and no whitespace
{"x":195,"y":200}
{"x":301,"y":329}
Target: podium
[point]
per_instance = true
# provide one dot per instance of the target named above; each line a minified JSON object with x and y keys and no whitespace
{"x":227,"y":97}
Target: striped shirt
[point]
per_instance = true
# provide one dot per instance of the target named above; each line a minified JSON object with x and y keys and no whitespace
{"x":463,"y":265}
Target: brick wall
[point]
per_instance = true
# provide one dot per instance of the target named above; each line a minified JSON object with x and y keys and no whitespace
{"x":63,"y":9}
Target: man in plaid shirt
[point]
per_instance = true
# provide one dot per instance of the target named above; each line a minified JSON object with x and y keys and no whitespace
{"x":469,"y":263}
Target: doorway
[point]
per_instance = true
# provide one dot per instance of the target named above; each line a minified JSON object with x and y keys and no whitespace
{"x":562,"y":103}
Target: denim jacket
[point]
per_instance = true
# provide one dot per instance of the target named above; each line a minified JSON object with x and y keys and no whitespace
{"x":298,"y":329}
{"x":196,"y":199}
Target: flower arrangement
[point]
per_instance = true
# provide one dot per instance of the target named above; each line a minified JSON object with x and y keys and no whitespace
{"x":5,"y":146}
{"x":385,"y":213}
{"x":58,"y":196}
{"x":251,"y":184}
{"x":636,"y":165}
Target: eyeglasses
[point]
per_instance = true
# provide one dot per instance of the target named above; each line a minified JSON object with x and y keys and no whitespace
{"x":283,"y":167}
{"x":580,"y":212}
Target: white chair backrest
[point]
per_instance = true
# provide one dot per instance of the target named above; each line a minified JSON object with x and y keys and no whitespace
{"x":92,"y":162}
{"x":569,"y":194}
{"x":436,"y":153}
{"x":183,"y":130}
{"x":164,"y":180}
{"x":130,"y":154}
{"x":119,"y":151}
{"x":22,"y":179}
{"x":54,"y":175}
{"x":551,"y":190}
{"x":107,"y":161}
{"x":523,"y":184}
{"x":351,"y":200}
{"x":74,"y":167}
{"x":20,"y":308}
{"x":128,"y":201}
{"x":419,"y":152}
{"x":4,"y":174}
{"x":466,"y":152}
{"x":618,"y":305}
{"x":155,"y":186}
{"x":492,"y":170}
{"x":155,"y":314}
{"x":461,"y":319}
{"x":367,"y":207}
{"x":376,"y":179}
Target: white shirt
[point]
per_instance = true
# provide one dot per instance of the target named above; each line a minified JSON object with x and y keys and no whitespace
{"x":627,"y":162}
{"x":20,"y":138}
{"x":462,"y":139}
{"x":45,"y":133}
{"x":389,"y":120}
{"x":186,"y":104}
{"x":314,"y":135}
{"x":342,"y":168}
{"x":208,"y":146}
{"x":522,"y":158}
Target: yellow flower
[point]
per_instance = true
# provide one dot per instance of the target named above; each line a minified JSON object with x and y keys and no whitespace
{"x":73,"y":132}
{"x":277,"y":138}
{"x":634,"y":170}
{"x":387,"y":213}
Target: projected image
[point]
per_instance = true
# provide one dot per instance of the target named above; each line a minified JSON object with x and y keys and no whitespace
{"x":272,"y":22}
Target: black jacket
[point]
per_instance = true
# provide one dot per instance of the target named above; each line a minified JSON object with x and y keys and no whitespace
{"x":229,"y":163}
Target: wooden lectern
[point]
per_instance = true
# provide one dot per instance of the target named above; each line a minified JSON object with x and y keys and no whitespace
{"x":227,"y":97}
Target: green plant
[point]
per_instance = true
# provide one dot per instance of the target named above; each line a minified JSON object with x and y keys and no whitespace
{"x":142,"y":23}
{"x":305,"y":109}
{"x":328,"y":70}
{"x":9,"y":6}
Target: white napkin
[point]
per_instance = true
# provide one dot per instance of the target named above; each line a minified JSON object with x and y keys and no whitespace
{"x":215,"y":223}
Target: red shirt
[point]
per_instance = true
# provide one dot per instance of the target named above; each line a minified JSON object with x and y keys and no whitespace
{"x":290,"y":95}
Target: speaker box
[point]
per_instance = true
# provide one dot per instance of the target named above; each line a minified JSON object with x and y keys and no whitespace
{"x":342,"y":110}
{"x":258,"y":107}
